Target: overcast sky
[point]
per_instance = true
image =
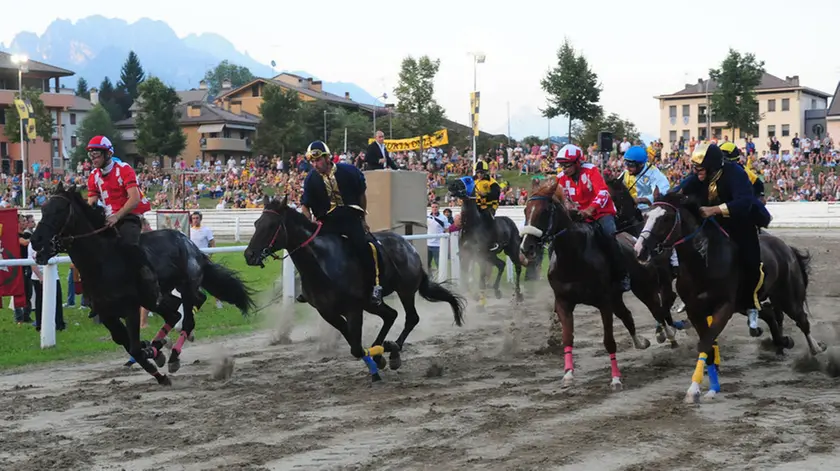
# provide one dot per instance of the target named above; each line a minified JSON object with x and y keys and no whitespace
{"x":638,"y":49}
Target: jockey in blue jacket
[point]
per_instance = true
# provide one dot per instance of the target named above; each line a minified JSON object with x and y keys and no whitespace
{"x":644,"y":181}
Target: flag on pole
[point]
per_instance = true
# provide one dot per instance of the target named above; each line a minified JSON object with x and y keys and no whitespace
{"x":23,"y":111}
{"x":31,"y":131}
{"x":475,"y":100}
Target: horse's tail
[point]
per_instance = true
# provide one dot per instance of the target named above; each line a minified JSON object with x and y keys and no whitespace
{"x":434,"y":292}
{"x":226,"y":285}
{"x":803,"y":259}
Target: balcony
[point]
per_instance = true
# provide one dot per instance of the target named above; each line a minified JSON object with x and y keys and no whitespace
{"x":225,"y":144}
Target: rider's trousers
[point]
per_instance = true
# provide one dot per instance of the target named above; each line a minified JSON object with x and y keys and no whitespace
{"x":349,"y":222}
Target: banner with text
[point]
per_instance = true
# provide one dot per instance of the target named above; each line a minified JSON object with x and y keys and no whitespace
{"x":11,"y":278}
{"x":436,"y":139}
{"x":178,"y":220}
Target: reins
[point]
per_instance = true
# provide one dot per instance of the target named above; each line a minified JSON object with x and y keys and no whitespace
{"x":58,"y":238}
{"x":269,"y":252}
{"x":677,"y":221}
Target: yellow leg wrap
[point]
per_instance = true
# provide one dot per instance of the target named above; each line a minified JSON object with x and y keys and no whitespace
{"x":375,"y":261}
{"x":375,"y":350}
{"x":758,"y":286}
{"x":715,"y":347}
{"x":697,"y":377}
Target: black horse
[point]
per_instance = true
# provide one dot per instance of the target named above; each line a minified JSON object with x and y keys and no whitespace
{"x":475,"y":243}
{"x":332,"y":281}
{"x":68,"y":224}
{"x":709,"y":277}
{"x":579,"y":273}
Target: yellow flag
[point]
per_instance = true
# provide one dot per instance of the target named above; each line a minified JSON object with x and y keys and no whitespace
{"x":23,"y":111}
{"x":31,"y":131}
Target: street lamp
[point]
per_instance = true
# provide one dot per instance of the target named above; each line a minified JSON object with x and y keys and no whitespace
{"x":384,"y":96}
{"x":478,"y":58}
{"x":21,"y":60}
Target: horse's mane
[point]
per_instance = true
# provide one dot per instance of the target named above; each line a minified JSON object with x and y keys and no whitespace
{"x":548,"y":189}
{"x":679,"y":200}
{"x":94,"y":214}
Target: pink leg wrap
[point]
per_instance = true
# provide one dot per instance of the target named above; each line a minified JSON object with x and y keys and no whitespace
{"x":180,"y":342}
{"x":614,"y":366}
{"x":570,"y":364}
{"x":163,"y":332}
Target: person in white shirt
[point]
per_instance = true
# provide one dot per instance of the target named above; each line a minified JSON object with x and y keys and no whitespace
{"x":202,"y":237}
{"x":436,"y":223}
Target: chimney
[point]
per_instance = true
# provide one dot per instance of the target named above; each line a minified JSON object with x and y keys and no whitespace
{"x":347,"y":95}
{"x":202,"y":85}
{"x":94,"y":96}
{"x":794,"y":80}
{"x":315,"y":85}
{"x":226,"y":85}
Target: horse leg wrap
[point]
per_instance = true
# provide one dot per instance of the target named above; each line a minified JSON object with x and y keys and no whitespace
{"x":614,"y":366}
{"x":375,"y":351}
{"x":697,"y":377}
{"x":163,"y":332}
{"x":373,"y":251}
{"x":180,"y":343}
{"x":714,"y":383}
{"x":570,"y":363}
{"x":715,"y":347}
{"x":371,"y":365}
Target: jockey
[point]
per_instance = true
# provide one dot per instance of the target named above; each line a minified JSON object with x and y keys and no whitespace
{"x":732,"y":153}
{"x":114,"y":184}
{"x":335,"y":195}
{"x":487,"y":194}
{"x":726,"y":194}
{"x":644,"y":181}
{"x":583,"y":184}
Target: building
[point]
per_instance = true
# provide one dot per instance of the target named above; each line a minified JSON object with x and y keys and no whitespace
{"x":212,"y":132}
{"x":35,"y":75}
{"x":65,"y":136}
{"x":786,"y":107}
{"x":832,"y":118}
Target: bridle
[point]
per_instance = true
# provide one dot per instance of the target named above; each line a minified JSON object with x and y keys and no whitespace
{"x":664,"y":245}
{"x":269,"y":251}
{"x":61,"y":243}
{"x":546,"y":237}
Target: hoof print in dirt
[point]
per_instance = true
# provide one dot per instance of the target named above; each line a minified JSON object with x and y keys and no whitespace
{"x":224,"y":370}
{"x":434,"y":371}
{"x":164,"y":380}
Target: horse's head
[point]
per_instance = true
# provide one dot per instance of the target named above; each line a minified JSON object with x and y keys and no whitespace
{"x":269,"y":232}
{"x":63,"y":216}
{"x":542,"y":211}
{"x":462,"y":187}
{"x":662,"y":225}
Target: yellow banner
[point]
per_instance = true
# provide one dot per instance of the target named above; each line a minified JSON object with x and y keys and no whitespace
{"x":475,"y":104}
{"x":31,"y":131}
{"x":22,"y":110}
{"x":436,"y":139}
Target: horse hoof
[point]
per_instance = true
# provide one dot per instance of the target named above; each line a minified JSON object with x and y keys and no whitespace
{"x":164,"y":380}
{"x":191,"y":337}
{"x":641,"y":343}
{"x":615,"y":384}
{"x":710,"y":395}
{"x":381,"y":362}
{"x":692,"y":398}
{"x":375,"y":378}
{"x":674,"y":344}
{"x":394,"y":360}
{"x":823,"y":347}
{"x":660,"y":335}
{"x":498,"y":294}
{"x":174,"y":361}
{"x":160,"y":359}
{"x":568,"y":380}
{"x":756,"y":332}
{"x":391,"y":346}
{"x":788,"y":342}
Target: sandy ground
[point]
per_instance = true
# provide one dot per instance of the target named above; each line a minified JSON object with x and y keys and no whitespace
{"x":476,"y":397}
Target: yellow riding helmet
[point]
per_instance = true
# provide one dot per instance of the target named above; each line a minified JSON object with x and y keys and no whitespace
{"x":316,"y":150}
{"x":708,"y":156}
{"x":730,"y":151}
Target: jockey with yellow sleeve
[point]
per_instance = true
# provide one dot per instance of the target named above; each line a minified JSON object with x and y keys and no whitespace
{"x":732,"y":153}
{"x":644,"y":181}
{"x":726,"y":194}
{"x":487,"y":194}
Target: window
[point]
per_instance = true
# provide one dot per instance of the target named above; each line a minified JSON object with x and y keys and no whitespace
{"x":672,"y":111}
{"x":686,"y":135}
{"x":672,"y":136}
{"x":73,"y":119}
{"x":2,"y":114}
{"x":785,"y":104}
{"x":771,"y":130}
{"x":785,"y":130}
{"x":686,"y":110}
{"x":771,"y":105}
{"x":255,"y":90}
{"x":701,"y":133}
{"x":4,"y":149}
{"x":73,"y":142}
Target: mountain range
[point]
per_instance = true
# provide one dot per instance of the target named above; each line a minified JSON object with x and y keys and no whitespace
{"x":95,"y":47}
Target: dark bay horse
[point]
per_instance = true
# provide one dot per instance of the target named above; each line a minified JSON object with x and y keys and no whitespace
{"x":332,"y":281}
{"x":68,"y":224}
{"x":709,"y":277}
{"x":579,"y":273}
{"x":475,"y":243}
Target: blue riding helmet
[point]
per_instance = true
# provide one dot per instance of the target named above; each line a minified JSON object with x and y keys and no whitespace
{"x":636,"y":154}
{"x":469,"y":184}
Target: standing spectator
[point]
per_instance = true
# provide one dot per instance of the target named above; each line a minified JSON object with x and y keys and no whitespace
{"x":37,"y":278}
{"x":377,"y":156}
{"x":202,"y":237}
{"x":436,"y":224}
{"x":24,"y":314}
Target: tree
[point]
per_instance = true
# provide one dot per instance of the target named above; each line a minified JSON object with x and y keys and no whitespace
{"x":108,"y":99}
{"x":572,"y":87}
{"x":358,"y":127}
{"x":734,"y":99}
{"x":280,"y":128}
{"x":158,"y":133}
{"x":238,"y":76}
{"x":97,"y":123}
{"x":82,"y":88}
{"x":415,"y":94}
{"x":131,"y":76}
{"x":44,"y":123}
{"x":531,"y":141}
{"x":586,"y":134}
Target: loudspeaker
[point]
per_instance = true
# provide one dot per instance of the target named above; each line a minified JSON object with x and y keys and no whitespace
{"x":18,"y":167}
{"x":605,"y":141}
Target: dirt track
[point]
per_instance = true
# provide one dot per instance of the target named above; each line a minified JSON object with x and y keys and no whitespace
{"x":494,"y":404}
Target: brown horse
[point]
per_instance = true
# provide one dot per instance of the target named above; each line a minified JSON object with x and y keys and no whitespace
{"x":579,"y":273}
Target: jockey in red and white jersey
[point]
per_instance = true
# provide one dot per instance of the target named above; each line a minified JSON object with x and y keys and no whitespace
{"x":115,"y":185}
{"x":583,"y":184}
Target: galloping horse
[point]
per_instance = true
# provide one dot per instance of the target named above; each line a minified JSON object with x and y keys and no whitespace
{"x":69,"y":224}
{"x":708,"y":280}
{"x":332,"y":281}
{"x":475,"y":243}
{"x":579,"y":273}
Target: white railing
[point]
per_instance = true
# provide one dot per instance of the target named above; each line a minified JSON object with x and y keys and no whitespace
{"x":448,"y":268}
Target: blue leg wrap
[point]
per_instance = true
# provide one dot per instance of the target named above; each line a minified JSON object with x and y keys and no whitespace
{"x":371,"y":365}
{"x":679,"y":325}
{"x":714,"y":384}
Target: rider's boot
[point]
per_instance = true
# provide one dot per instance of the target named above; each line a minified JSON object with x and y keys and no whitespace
{"x":752,"y":322}
{"x":619,"y":265}
{"x":376,"y":294}
{"x":149,"y":279}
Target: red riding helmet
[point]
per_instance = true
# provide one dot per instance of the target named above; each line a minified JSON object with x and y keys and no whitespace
{"x":570,"y":153}
{"x":100,"y":143}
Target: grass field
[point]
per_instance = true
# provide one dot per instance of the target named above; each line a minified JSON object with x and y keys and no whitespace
{"x":21,"y":343}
